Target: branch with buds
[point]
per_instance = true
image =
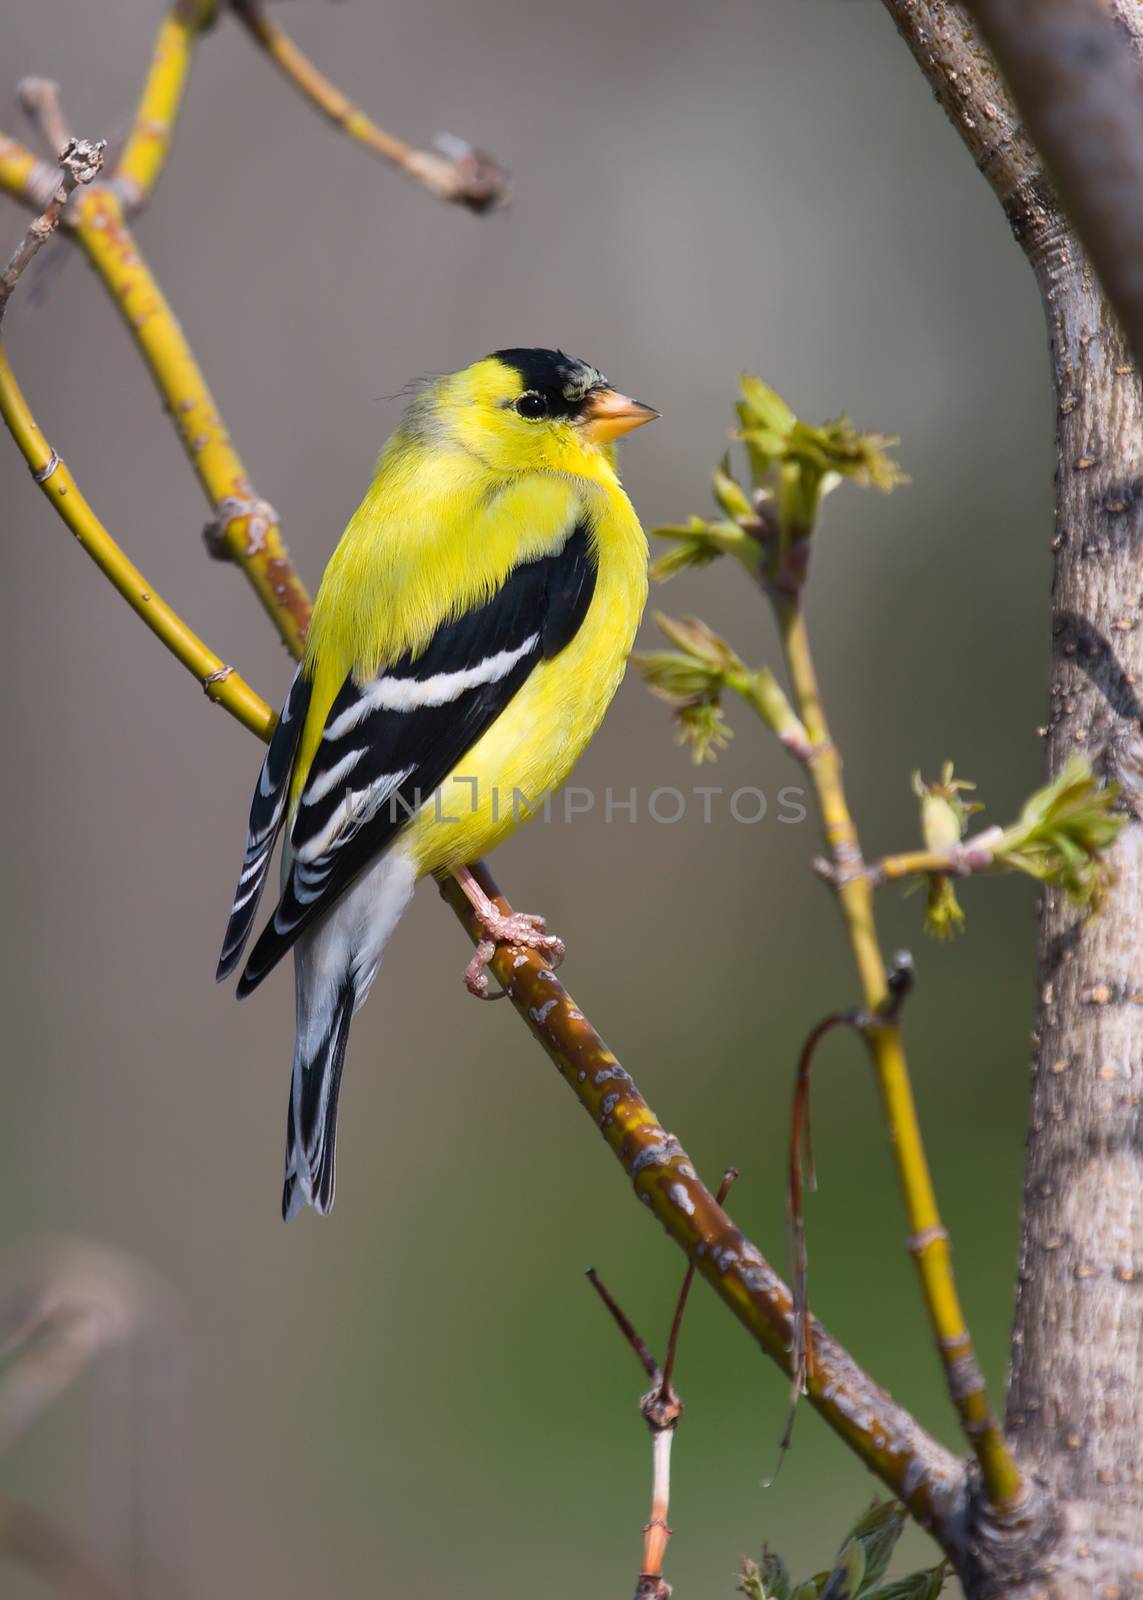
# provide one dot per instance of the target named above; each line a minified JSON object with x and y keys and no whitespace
{"x":770,"y":528}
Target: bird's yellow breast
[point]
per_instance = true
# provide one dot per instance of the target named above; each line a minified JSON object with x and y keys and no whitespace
{"x":437,"y":535}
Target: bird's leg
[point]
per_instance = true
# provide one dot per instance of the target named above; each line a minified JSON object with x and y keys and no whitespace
{"x":500,"y":927}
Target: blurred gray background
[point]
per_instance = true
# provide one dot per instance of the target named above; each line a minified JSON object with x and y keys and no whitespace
{"x":421,"y":1395}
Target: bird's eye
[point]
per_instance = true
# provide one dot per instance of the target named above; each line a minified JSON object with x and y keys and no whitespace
{"x":532,"y":406}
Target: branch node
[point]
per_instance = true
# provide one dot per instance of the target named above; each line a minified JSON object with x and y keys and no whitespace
{"x":918,"y":1243}
{"x":261,"y":518}
{"x":42,"y":474}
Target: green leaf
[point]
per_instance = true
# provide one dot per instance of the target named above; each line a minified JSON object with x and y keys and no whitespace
{"x":925,"y":1585}
{"x":877,"y":1532}
{"x":764,"y":407}
{"x":844,"y":1582}
{"x":1064,"y":831}
{"x":812,"y":1588}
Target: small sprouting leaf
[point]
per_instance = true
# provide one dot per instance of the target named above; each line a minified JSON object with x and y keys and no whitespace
{"x":731,"y":496}
{"x":692,"y":680}
{"x":877,"y":1532}
{"x":763,"y":407}
{"x":924,"y":1585}
{"x":697,"y":543}
{"x":1063,"y":833}
{"x":798,"y":464}
{"x":764,"y":1579}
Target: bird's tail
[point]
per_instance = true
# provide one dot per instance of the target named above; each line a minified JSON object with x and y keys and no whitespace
{"x":335,"y":963}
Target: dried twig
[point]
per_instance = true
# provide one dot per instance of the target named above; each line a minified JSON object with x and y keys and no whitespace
{"x":79,"y":163}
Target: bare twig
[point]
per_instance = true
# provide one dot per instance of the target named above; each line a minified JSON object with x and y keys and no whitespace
{"x":459,"y":173}
{"x":625,"y":1326}
{"x":729,"y":1178}
{"x":1076,"y":82}
{"x":661,"y":1409}
{"x":79,"y":163}
{"x":42,"y":105}
{"x":801,"y":1142}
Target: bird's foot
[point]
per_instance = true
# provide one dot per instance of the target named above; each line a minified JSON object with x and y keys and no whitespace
{"x":517,"y":927}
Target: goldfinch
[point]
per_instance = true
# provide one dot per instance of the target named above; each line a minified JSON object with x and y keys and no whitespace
{"x":469,"y":633}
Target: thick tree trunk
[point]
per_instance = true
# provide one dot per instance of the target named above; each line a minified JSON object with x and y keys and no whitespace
{"x":1077,"y":1346}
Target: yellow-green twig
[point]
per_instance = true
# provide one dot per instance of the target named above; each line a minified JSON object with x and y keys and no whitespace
{"x":929,"y":1242}
{"x":246,"y":528}
{"x":149,"y":142}
{"x":221,"y":683}
{"x":471,"y":178}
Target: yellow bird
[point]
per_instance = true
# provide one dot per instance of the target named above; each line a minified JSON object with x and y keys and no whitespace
{"x":469,"y":633}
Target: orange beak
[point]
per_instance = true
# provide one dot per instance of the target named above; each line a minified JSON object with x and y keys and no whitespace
{"x":607,"y":414}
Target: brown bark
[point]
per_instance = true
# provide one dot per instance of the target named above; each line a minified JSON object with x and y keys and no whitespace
{"x":1077,"y":1350}
{"x":1077,"y":1346}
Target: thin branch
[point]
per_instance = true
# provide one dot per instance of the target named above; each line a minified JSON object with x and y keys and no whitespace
{"x":220,"y":682}
{"x":626,"y":1327}
{"x":801,"y":1140}
{"x":149,"y":141}
{"x":244,"y":525}
{"x":885,"y":1437}
{"x":729,"y":1178}
{"x":79,"y":163}
{"x":459,"y":173}
{"x":661,"y":1409}
{"x":40,"y":100}
{"x":1077,"y":85}
{"x":24,"y":175}
{"x":928,"y":1242}
{"x":968,"y":858}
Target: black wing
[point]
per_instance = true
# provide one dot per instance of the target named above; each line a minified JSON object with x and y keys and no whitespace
{"x":389,"y":744}
{"x":266,"y":812}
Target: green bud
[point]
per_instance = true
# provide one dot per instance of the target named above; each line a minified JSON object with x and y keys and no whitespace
{"x":729,"y":493}
{"x":944,"y":810}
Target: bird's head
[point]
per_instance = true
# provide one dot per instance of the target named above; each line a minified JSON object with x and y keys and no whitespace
{"x":533,"y":410}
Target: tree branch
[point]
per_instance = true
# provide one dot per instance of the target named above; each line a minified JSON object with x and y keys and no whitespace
{"x":79,"y":162}
{"x":929,"y":1240}
{"x":460,"y":173}
{"x":149,"y":143}
{"x":1077,"y":85}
